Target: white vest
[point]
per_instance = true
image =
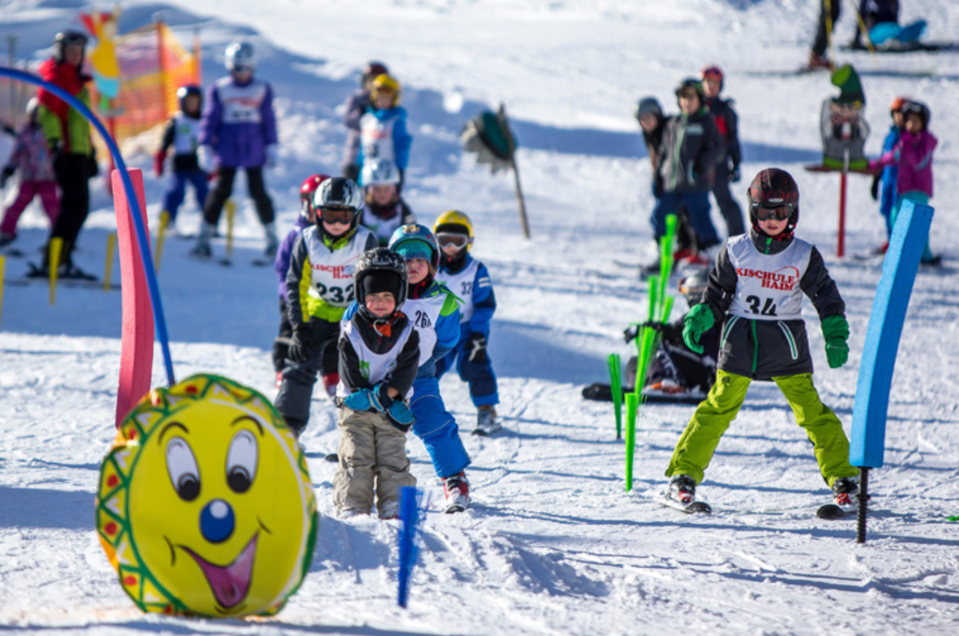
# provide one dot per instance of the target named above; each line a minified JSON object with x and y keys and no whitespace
{"x":382,"y":228}
{"x":331,"y":277}
{"x":375,"y":367}
{"x":424,"y":314}
{"x":186,"y":134}
{"x":461,"y":283}
{"x":376,"y":137}
{"x":241,"y":104}
{"x":768,"y":284}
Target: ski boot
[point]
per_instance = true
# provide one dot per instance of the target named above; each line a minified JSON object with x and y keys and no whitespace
{"x":681,"y":495}
{"x":486,"y":422}
{"x":272,"y":242}
{"x":457,"y":490}
{"x":202,"y":249}
{"x":844,"y":492}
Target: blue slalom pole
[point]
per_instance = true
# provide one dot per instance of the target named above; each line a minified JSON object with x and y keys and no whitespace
{"x":141,"y":233}
{"x":868,"y":435}
{"x":412,"y":525}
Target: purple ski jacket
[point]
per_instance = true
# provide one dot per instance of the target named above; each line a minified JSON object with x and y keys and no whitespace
{"x":239,"y":122}
{"x":913,"y":155}
{"x":282,"y":263}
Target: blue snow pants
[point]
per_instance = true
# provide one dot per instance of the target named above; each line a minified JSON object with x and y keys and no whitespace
{"x":479,"y":375}
{"x":437,"y":428}
{"x":176,"y":190}
{"x":887,"y":196}
{"x":697,"y":209}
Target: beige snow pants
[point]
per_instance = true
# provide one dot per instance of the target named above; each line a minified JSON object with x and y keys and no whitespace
{"x":371,"y":450}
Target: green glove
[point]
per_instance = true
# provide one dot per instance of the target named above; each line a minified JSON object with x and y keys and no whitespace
{"x":835,"y":330}
{"x":698,"y":321}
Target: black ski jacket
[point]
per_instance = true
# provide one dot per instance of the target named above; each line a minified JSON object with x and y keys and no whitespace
{"x":728,"y":124}
{"x":690,"y":150}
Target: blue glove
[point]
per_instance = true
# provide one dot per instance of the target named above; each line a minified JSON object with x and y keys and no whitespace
{"x":380,"y":397}
{"x":400,"y":415}
{"x":359,"y":400}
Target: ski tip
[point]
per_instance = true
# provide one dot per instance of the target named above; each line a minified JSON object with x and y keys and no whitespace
{"x":454,"y":509}
{"x":478,"y":432}
{"x":830,"y":511}
{"x":333,"y":458}
{"x":699,"y":507}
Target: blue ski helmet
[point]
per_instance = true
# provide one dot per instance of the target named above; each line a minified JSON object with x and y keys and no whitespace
{"x":416,"y":233}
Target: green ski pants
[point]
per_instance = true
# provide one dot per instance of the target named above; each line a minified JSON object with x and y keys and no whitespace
{"x":712,"y":417}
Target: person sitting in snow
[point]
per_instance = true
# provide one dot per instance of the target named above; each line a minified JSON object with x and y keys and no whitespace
{"x":385,"y":210}
{"x":754,"y":295}
{"x":383,"y":131}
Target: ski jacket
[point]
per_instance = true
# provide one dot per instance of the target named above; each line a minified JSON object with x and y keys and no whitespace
{"x":239,"y":122}
{"x":30,"y":156}
{"x":913,"y":155}
{"x":281,"y":265}
{"x":890,"y":173}
{"x":754,"y":292}
{"x":384,"y":220}
{"x":60,"y":122}
{"x":182,"y":132}
{"x":383,"y":135}
{"x":690,"y":150}
{"x":369,"y":356}
{"x":654,"y":140}
{"x":470,"y":281}
{"x":727,"y":122}
{"x":319,"y":283}
{"x":356,"y":105}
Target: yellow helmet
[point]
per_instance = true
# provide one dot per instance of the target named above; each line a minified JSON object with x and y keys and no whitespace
{"x":385,"y":83}
{"x":454,"y":222}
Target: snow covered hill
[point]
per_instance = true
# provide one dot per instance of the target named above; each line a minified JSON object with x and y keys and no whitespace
{"x":552,"y":545}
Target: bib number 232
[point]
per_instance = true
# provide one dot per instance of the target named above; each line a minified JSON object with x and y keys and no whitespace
{"x":335,"y":295}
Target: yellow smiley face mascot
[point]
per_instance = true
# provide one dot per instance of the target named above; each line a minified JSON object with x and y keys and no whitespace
{"x":205,"y":506}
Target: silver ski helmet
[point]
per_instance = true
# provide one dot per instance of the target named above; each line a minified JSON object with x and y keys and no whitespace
{"x":379,"y":172}
{"x":66,"y":38}
{"x":240,"y":56}
{"x":380,"y":270}
{"x":692,"y":287}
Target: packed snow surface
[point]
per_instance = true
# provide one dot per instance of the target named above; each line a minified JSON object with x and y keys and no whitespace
{"x":552,"y":544}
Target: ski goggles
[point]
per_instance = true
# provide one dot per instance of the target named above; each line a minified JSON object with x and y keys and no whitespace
{"x":456,"y":240}
{"x":778,"y":213}
{"x":337,"y":215}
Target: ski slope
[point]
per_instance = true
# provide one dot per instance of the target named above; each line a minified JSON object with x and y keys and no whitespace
{"x":553,"y":544}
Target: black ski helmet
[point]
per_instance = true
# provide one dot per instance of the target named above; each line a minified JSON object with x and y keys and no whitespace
{"x":773,"y":188}
{"x":648,"y":106}
{"x":692,"y":287}
{"x":917,"y":108}
{"x":338,"y":193}
{"x":64,"y":39}
{"x":186,"y":91}
{"x":378,"y":270}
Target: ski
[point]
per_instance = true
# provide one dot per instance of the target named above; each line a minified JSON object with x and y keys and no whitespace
{"x":692,"y":508}
{"x":600,"y":392}
{"x":488,"y":430}
{"x":333,"y":458}
{"x":830,"y":511}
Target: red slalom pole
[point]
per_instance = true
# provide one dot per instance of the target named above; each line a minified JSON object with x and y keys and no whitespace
{"x":841,"y":243}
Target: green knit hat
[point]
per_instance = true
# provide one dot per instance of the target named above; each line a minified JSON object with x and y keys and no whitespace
{"x":850,"y":88}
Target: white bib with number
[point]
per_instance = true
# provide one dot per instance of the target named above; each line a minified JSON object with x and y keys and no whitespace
{"x":241,"y":104}
{"x":187,"y":134}
{"x":331,"y":277}
{"x":376,"y":137}
{"x":461,"y":284}
{"x":424,"y":314}
{"x":375,"y":367}
{"x":768,"y":284}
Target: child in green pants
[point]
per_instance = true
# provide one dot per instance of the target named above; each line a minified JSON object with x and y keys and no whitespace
{"x":754,"y":294}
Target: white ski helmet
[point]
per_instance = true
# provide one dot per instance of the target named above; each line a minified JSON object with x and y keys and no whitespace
{"x":379,"y":172}
{"x":240,"y":56}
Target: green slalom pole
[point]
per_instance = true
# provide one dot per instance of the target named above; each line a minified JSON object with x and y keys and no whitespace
{"x":631,"y":401}
{"x":616,"y":386}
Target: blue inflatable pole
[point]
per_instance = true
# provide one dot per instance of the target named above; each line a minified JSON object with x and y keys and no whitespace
{"x":141,"y":233}
{"x":412,"y":524}
{"x":868,"y":437}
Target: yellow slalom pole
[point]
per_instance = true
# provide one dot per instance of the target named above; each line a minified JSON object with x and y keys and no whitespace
{"x":161,"y":233}
{"x":56,"y":246}
{"x":3,"y":264}
{"x":108,"y":266}
{"x":829,"y":25}
{"x":230,"y":218}
{"x":865,"y":32}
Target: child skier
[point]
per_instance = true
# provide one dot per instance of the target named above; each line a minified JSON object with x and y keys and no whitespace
{"x":183,"y":133}
{"x":319,"y":288}
{"x":913,"y":156}
{"x":379,"y":354}
{"x":385,"y":210}
{"x":383,"y":132}
{"x":690,"y":149}
{"x":356,"y":106}
{"x":727,"y":170}
{"x":437,"y":319}
{"x":31,"y":157}
{"x":884,"y":183}
{"x":755,"y":295}
{"x":469,"y":279}
{"x":281,"y":344}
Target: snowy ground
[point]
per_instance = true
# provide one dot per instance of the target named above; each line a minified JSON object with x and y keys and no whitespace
{"x":552,"y":544}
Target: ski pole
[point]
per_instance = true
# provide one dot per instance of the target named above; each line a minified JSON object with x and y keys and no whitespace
{"x":616,"y":387}
{"x":56,"y":245}
{"x":161,"y":234}
{"x":230,"y":216}
{"x":631,"y":405}
{"x":108,"y":265}
{"x":2,"y":268}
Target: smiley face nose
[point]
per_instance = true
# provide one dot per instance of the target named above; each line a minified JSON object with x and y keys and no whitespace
{"x":217,"y":521}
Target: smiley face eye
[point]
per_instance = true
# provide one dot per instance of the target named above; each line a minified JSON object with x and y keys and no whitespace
{"x":182,"y":468}
{"x":241,"y":462}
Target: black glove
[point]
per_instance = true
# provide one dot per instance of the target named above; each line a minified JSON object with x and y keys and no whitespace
{"x":303,"y":346}
{"x":93,"y":168}
{"x":735,"y":175}
{"x":632,"y":332}
{"x":476,"y":348}
{"x":56,"y":157}
{"x":5,"y":175}
{"x":874,"y":188}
